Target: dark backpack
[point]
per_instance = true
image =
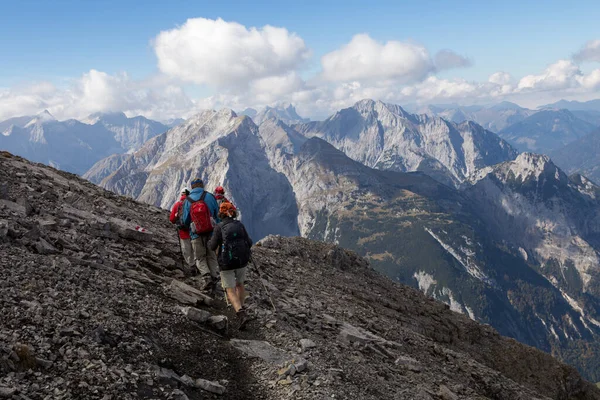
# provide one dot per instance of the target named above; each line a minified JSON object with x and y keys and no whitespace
{"x":202,"y":221}
{"x":235,"y":251}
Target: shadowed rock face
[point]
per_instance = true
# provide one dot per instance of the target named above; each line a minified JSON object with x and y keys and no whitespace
{"x":101,"y":309}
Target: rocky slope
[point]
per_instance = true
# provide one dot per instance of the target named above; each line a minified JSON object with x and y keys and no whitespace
{"x":92,"y":308}
{"x":546,"y":130}
{"x":386,"y":137}
{"x":581,"y":156}
{"x":223,"y":149}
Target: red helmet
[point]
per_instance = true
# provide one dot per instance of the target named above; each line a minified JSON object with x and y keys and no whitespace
{"x":220,"y":190}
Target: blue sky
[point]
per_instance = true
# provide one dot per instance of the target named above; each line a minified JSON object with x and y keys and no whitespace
{"x":57,"y":41}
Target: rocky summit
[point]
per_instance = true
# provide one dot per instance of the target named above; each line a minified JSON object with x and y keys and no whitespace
{"x":95,"y":306}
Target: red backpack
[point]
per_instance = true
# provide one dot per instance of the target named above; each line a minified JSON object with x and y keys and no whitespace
{"x":202,"y":221}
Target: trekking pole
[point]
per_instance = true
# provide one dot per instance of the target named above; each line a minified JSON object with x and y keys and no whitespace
{"x":183,"y":267}
{"x":263,"y":283}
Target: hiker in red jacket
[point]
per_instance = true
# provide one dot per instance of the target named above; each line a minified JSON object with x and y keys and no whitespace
{"x":184,"y":234}
{"x":220,"y":195}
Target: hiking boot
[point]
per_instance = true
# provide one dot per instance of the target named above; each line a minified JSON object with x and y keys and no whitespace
{"x":208,"y":283}
{"x":242,"y":318}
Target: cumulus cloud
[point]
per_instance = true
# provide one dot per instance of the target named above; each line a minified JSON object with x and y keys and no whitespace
{"x":97,"y":91}
{"x":560,"y":75}
{"x":364,"y":59}
{"x":447,"y":59}
{"x":589,"y":52}
{"x":500,"y":78}
{"x":563,"y":75}
{"x":227,"y":54}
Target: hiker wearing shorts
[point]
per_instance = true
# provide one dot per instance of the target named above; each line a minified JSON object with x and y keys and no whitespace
{"x":232,"y":244}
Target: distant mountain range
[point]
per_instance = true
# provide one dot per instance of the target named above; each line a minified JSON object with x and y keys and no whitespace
{"x":73,"y":145}
{"x":592,"y":105}
{"x":546,"y":131}
{"x":494,"y":118}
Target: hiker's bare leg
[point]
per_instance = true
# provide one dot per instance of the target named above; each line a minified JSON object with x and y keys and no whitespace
{"x":234,"y":299}
{"x":241,"y":292}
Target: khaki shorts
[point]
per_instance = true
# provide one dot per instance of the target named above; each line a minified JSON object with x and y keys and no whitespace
{"x":232,"y":277}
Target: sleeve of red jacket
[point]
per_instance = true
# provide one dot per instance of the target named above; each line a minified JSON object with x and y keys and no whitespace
{"x":173,"y":212}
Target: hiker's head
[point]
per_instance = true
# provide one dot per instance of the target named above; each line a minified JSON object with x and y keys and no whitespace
{"x":227,"y":210}
{"x":185,"y":191}
{"x":220,"y":190}
{"x":197,"y":183}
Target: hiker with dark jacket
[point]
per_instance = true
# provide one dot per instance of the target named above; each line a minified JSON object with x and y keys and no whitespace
{"x":200,"y":215}
{"x":185,"y":242}
{"x":232,"y":243}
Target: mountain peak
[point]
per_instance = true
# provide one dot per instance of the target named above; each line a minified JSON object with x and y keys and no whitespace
{"x":285,"y":112}
{"x":505,"y":105}
{"x":41,"y":118}
{"x":106,"y":117}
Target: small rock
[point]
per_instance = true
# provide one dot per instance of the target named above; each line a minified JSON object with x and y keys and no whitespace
{"x":446,"y":394}
{"x":187,"y":381}
{"x":22,"y":201}
{"x":167,"y":376}
{"x":307,"y":344}
{"x":3,"y":229}
{"x":7,"y":392}
{"x":14,"y":207}
{"x":195,"y":314}
{"x":219,"y":322}
{"x":301,"y":364}
{"x":210,"y":386}
{"x":43,"y":247}
{"x":179,"y":395}
{"x":43,"y":363}
{"x":3,"y":190}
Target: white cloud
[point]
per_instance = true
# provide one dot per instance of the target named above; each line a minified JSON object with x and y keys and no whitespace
{"x":227,"y":54}
{"x":500,"y":78}
{"x":97,"y":91}
{"x":560,"y":75}
{"x":251,"y":67}
{"x":565,"y":76}
{"x":364,"y":59}
{"x":589,"y":52}
{"x":447,"y":59}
